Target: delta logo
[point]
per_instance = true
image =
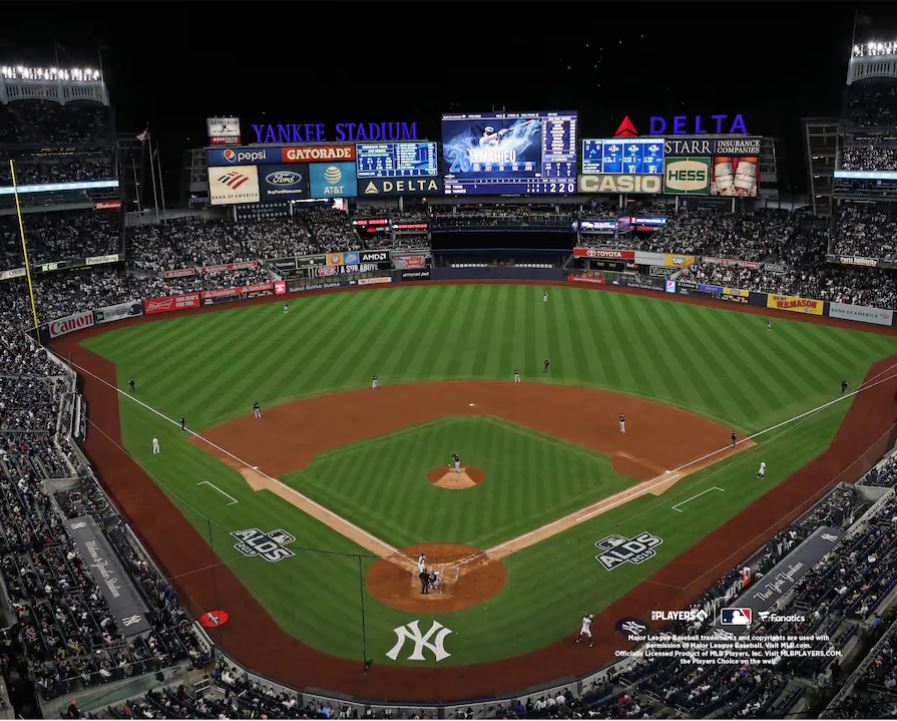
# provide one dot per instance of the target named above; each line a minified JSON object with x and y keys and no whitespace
{"x":736,"y":616}
{"x":233,"y":179}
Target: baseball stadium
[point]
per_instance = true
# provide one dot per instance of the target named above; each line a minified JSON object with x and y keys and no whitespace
{"x":567,"y":407}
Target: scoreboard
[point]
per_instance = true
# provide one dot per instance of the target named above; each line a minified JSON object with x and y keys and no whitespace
{"x":632,"y":156}
{"x":509,"y":153}
{"x":396,"y":160}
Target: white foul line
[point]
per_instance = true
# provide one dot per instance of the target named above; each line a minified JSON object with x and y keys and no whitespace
{"x":209,"y":483}
{"x":682,"y":503}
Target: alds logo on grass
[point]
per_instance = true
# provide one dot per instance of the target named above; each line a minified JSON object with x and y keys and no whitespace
{"x":620,"y":549}
{"x":270,"y":546}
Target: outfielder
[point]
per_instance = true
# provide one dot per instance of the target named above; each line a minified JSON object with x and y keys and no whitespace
{"x":585,"y":630}
{"x":622,"y":423}
{"x":545,"y":364}
{"x":156,"y":450}
{"x":545,"y":297}
{"x":286,"y":308}
{"x":517,"y":375}
{"x":768,"y":324}
{"x":256,"y":410}
{"x":761,"y":472}
{"x":375,"y":382}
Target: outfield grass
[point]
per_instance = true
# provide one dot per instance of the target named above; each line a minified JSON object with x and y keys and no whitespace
{"x":719,"y":363}
{"x":716,"y":362}
{"x":381,"y":484}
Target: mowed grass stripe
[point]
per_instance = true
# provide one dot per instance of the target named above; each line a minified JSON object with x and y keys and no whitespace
{"x":640,"y":364}
{"x":408,"y":324}
{"x":646,"y":321}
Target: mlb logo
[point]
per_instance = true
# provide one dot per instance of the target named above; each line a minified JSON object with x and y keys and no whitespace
{"x":736,"y":617}
{"x":612,"y":541}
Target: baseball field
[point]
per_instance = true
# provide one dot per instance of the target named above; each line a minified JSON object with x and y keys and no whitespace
{"x":306,"y":524}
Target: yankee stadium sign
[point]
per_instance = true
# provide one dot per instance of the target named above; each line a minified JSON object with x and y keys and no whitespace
{"x":341,"y":132}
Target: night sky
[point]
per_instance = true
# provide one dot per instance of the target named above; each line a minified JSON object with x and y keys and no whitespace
{"x":173,"y":64}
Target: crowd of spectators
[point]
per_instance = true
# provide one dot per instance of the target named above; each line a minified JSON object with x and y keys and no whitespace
{"x":57,"y":168}
{"x":883,"y":475}
{"x":190,"y":242}
{"x":59,"y":236}
{"x":873,"y":102}
{"x":331,"y":230}
{"x":874,"y":154}
{"x":26,"y":122}
{"x":63,"y":636}
{"x":867,"y":230}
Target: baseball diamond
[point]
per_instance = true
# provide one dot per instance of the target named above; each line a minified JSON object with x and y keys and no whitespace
{"x":336,"y":480}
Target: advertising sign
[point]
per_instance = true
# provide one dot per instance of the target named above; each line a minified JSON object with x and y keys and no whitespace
{"x":171,"y":302}
{"x":687,"y":176}
{"x":283,"y":182}
{"x":409,"y":261}
{"x":315,"y":153}
{"x":667,"y":260}
{"x":750,"y":264}
{"x":698,"y":145}
{"x":241,"y":156}
{"x":415,"y":275}
{"x":400,"y":186}
{"x":375,"y":281}
{"x":239,"y":184}
{"x":179,"y":273}
{"x":373,"y":256}
{"x":629,"y":184}
{"x":348,"y":258}
{"x":103,"y":564}
{"x":795,"y":304}
{"x":223,"y":131}
{"x":604,"y":253}
{"x":118,"y":311}
{"x":70,"y":323}
{"x":857,"y":260}
{"x":734,"y":176}
{"x":861,"y":313}
{"x":333,"y":180}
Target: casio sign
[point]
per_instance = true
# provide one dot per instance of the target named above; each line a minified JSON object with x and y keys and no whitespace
{"x":283,"y":178}
{"x":620,"y":184}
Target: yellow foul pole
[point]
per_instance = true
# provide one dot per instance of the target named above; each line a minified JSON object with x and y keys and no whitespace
{"x":15,"y":190}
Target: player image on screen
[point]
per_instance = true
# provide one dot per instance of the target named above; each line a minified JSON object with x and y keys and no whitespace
{"x":509,"y":153}
{"x":479,"y":148}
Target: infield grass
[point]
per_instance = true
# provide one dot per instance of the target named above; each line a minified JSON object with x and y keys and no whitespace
{"x":381,"y":484}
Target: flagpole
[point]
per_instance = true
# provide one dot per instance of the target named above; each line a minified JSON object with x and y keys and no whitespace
{"x":152,"y":174}
{"x":161,"y":183}
{"x":136,"y":187}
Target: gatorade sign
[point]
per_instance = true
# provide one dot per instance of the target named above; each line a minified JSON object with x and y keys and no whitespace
{"x":687,"y":176}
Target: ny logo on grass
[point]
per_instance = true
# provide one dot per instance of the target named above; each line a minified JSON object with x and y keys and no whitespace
{"x":411,"y":632}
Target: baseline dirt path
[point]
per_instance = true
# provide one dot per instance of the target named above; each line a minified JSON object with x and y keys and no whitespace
{"x":254,"y":638}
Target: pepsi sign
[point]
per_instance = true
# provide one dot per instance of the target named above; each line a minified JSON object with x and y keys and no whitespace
{"x":283,"y":182}
{"x":242,"y":156}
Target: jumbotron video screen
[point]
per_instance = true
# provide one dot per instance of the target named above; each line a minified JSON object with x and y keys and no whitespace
{"x":509,"y":153}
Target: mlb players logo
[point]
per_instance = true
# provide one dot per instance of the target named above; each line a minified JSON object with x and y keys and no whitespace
{"x":736,"y":617}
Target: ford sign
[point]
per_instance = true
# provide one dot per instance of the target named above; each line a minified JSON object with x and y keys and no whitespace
{"x":283,"y":178}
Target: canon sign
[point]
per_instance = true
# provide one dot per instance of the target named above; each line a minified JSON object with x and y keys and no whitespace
{"x":70,"y":323}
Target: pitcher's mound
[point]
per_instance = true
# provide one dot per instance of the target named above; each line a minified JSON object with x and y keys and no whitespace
{"x":468,"y":577}
{"x":446,"y":477}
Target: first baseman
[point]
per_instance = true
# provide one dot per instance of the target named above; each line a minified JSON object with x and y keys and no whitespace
{"x":622,"y":423}
{"x":734,"y":439}
{"x":585,"y":630}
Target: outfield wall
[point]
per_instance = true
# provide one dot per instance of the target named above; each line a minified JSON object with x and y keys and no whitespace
{"x":659,"y":283}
